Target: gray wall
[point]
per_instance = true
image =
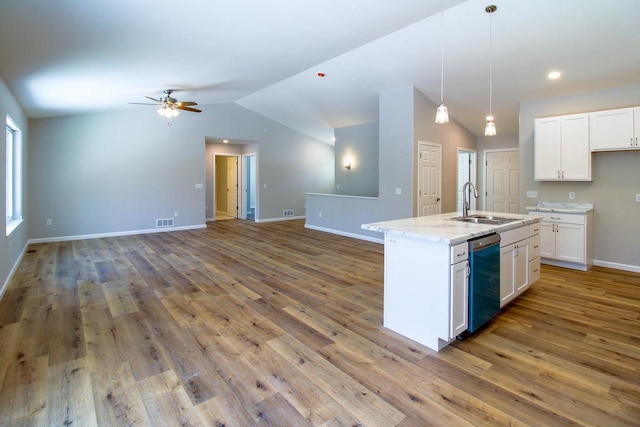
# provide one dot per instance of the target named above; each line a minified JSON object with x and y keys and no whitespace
{"x":615,"y":176}
{"x":359,"y":143}
{"x":451,"y":136}
{"x":118,"y":172}
{"x":12,"y":246}
{"x":406,"y":117}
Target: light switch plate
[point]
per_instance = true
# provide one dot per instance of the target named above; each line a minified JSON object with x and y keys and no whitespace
{"x":637,"y":197}
{"x":572,"y":195}
{"x":532,"y":194}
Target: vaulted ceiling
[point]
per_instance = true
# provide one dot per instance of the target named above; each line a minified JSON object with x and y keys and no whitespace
{"x":77,"y":56}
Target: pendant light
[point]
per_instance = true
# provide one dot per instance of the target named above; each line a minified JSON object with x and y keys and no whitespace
{"x":442,"y":115}
{"x":490,"y":128}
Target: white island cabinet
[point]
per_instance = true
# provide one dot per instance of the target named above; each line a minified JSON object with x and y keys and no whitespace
{"x":426,"y":273}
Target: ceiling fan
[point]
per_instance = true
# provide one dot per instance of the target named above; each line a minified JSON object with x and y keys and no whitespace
{"x":169,"y":106}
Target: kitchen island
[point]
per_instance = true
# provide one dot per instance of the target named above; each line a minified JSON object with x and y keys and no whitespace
{"x":426,"y":270}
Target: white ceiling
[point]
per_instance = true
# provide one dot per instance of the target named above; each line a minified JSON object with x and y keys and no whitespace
{"x":78,"y":56}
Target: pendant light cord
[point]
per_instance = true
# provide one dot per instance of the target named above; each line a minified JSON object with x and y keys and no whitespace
{"x":490,"y":61}
{"x":442,"y":53}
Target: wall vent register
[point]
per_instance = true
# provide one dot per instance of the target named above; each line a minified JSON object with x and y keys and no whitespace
{"x":164,"y":222}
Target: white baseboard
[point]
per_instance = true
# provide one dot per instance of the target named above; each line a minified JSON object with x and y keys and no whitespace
{"x":617,"y":266}
{"x":344,"y":233}
{"x":5,"y":285}
{"x":115,"y":234}
{"x":282,"y":218}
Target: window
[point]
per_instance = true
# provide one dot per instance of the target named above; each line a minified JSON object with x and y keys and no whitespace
{"x":13,"y":178}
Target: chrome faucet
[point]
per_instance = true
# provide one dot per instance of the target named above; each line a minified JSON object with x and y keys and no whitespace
{"x":465,"y":202}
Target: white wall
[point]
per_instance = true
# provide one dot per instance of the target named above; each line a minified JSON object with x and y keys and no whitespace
{"x":118,"y":172}
{"x":615,"y":177}
{"x":13,"y":246}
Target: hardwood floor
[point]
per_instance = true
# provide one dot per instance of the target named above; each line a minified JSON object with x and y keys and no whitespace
{"x":245,"y":324}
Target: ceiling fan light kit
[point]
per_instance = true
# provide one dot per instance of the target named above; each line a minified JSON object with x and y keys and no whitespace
{"x":169,"y":106}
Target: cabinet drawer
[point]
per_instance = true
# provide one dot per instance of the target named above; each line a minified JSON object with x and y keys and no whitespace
{"x":534,"y":270}
{"x":534,"y":247}
{"x":563,"y":217}
{"x":515,"y":235}
{"x":534,"y":229}
{"x":459,"y":252}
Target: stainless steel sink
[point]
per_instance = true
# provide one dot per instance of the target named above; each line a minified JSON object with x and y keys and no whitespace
{"x":484,"y":219}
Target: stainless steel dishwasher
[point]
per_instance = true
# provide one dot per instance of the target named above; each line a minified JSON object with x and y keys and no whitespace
{"x":484,"y":279}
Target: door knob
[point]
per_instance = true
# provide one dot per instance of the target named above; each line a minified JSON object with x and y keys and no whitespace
{"x":438,"y":199}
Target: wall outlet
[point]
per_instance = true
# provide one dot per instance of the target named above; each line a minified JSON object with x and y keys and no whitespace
{"x":338,"y":186}
{"x":398,"y":191}
{"x":199,"y":186}
{"x":48,"y":221}
{"x":532,"y":194}
{"x":572,"y":195}
{"x":175,"y":214}
{"x":637,"y":197}
{"x":319,"y":214}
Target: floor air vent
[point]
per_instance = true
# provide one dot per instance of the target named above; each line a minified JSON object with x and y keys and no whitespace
{"x":166,"y":222}
{"x":288,"y":212}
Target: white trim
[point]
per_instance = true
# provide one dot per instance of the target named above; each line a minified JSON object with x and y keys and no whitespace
{"x":115,"y":234}
{"x":283,"y":218}
{"x":564,"y":264}
{"x":344,"y":233}
{"x":5,"y":285}
{"x":617,"y":266}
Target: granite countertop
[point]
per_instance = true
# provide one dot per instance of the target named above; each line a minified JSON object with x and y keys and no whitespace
{"x":441,"y":229}
{"x":561,"y":207}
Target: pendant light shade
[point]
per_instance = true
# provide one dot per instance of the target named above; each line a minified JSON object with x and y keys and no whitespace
{"x":490,"y":128}
{"x":442,"y":114}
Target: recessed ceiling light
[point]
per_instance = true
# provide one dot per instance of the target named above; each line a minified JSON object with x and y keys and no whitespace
{"x":554,"y":75}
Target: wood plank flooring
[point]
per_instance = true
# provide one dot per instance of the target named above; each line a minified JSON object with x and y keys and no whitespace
{"x":245,"y":324}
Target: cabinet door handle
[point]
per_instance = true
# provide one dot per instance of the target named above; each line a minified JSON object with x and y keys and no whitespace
{"x":462,"y":254}
{"x":555,"y":217}
{"x":558,"y":174}
{"x":632,"y":142}
{"x":535,"y":247}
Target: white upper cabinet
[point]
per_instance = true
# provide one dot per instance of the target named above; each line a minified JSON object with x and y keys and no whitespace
{"x":615,"y":129}
{"x":561,"y":146}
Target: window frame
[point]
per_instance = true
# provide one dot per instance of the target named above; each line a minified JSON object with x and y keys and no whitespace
{"x":13,"y":175}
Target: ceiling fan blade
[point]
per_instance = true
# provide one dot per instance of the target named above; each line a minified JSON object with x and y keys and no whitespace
{"x":153,"y":99}
{"x":193,"y":110}
{"x":187,"y":103}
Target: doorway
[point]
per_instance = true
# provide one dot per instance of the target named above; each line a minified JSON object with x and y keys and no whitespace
{"x":249,"y":186}
{"x":467,"y":172}
{"x":225,"y":186}
{"x":502,"y":181}
{"x":429,"y":178}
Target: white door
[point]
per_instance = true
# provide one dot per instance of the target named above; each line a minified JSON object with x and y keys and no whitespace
{"x":429,"y":178}
{"x":502,"y":176}
{"x":232,"y":186}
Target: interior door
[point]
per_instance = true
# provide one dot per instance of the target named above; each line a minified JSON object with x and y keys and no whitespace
{"x":429,"y":178}
{"x":502,"y":178}
{"x":232,"y":187}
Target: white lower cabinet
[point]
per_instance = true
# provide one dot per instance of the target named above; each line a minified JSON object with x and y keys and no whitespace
{"x":517,"y":258}
{"x":459,"y":298}
{"x":565,"y":240}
